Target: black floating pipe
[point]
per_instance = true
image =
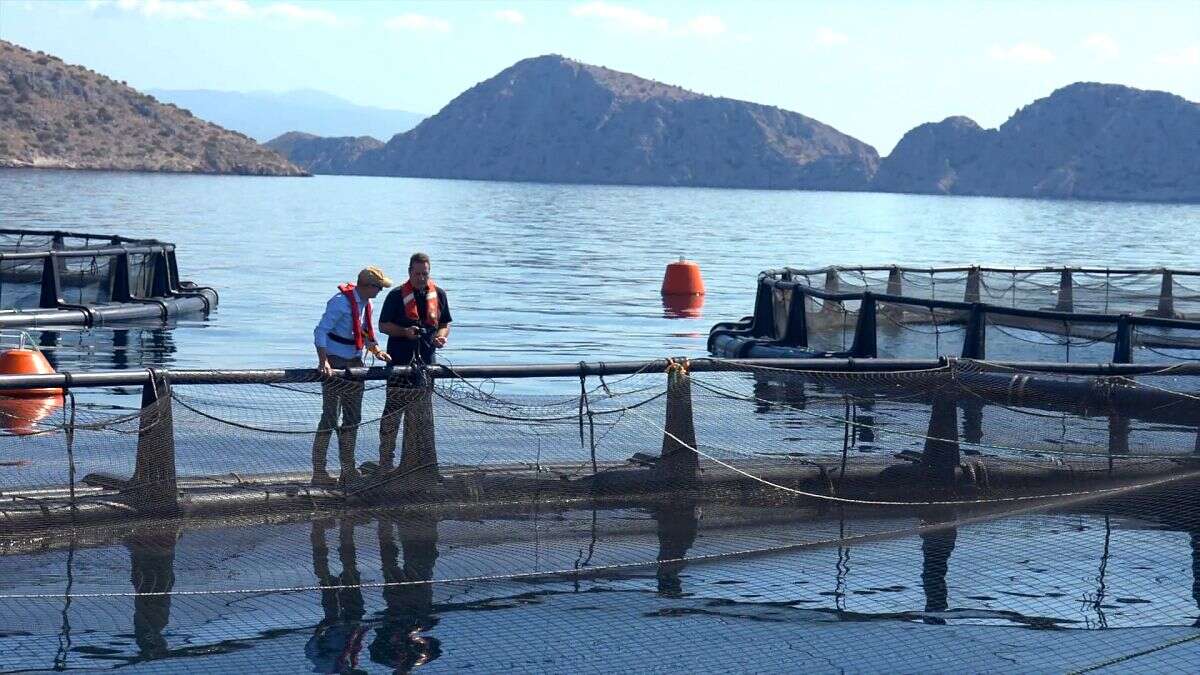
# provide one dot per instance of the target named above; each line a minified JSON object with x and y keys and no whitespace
{"x":865,"y":345}
{"x":117,"y":378}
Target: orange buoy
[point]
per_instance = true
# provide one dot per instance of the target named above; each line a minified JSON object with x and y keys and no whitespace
{"x":26,"y":362}
{"x":19,"y":416}
{"x":683,"y":278}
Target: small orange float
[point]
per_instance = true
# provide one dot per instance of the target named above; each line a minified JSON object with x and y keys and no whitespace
{"x":683,"y":278}
{"x":26,"y":362}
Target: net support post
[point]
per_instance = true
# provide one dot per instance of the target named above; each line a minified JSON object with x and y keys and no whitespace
{"x":1123,"y":343}
{"x":679,"y":460}
{"x":975,"y":339}
{"x":796,"y":333}
{"x":160,"y":282}
{"x":1066,"y":292}
{"x":895,"y":283}
{"x":763,"y":324}
{"x":833,"y":284}
{"x":1118,"y":434}
{"x":121,"y":291}
{"x":418,"y":455}
{"x":940,"y":457}
{"x":865,"y":345}
{"x":1166,"y":296}
{"x":974,"y":282}
{"x":153,"y":488}
{"x":51,"y":295}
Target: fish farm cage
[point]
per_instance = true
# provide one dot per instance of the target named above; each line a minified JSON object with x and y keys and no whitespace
{"x":642,"y":477}
{"x":57,"y":278}
{"x":1047,"y":314}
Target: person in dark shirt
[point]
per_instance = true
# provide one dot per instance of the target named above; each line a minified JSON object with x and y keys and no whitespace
{"x":416,"y":319}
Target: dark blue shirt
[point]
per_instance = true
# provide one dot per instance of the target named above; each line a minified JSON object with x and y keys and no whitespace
{"x":404,"y":350}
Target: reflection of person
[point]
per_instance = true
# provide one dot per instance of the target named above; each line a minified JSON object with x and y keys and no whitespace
{"x":416,"y":317}
{"x":152,"y":571}
{"x":344,"y":331}
{"x":399,"y":641}
{"x":337,"y":641}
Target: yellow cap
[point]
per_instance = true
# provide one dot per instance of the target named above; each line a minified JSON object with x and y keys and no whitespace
{"x":374,"y":276}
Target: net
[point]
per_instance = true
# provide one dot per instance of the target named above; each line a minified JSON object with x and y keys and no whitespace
{"x":904,"y":520}
{"x":1046,"y":314}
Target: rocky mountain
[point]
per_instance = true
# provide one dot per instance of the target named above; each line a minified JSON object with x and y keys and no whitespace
{"x":264,"y":115}
{"x":551,"y":119}
{"x":319,"y":154}
{"x":1084,"y":141}
{"x":57,"y":115}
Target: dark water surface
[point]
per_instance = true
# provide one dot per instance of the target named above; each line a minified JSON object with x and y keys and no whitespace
{"x":1032,"y":593}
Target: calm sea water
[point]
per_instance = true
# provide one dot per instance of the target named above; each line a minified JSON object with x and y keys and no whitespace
{"x":555,"y":273}
{"x":535,"y":273}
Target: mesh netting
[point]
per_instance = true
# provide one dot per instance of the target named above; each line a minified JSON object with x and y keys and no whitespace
{"x":1051,"y":314}
{"x":920,"y":520}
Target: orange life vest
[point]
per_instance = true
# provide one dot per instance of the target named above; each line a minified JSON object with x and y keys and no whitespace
{"x":357,"y":329}
{"x":432,"y":307}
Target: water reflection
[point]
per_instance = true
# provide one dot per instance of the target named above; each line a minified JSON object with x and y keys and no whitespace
{"x":108,"y":348}
{"x":937,"y":543}
{"x":413,"y":622}
{"x":152,"y":573}
{"x":677,"y":524}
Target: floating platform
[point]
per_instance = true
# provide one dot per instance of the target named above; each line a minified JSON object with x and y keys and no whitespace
{"x":57,"y":278}
{"x":799,"y":313}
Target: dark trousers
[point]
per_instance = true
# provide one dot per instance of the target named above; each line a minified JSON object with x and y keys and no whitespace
{"x":338,"y":395}
{"x":414,"y":406}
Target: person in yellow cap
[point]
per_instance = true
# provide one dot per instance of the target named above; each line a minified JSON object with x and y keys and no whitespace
{"x":345,"y":330}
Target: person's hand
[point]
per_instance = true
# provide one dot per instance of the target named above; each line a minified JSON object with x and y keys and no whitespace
{"x":383,"y":356}
{"x":324,"y":367}
{"x":439,"y":341}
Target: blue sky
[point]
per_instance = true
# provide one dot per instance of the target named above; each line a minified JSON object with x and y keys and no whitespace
{"x":871,"y":69}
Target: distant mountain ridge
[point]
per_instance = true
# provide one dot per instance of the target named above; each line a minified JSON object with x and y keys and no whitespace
{"x":53,"y":114}
{"x":551,"y":119}
{"x":1084,"y":141}
{"x":323,"y":155}
{"x":266,"y":115}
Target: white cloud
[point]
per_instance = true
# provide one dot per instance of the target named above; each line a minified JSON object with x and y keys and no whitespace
{"x":1184,"y":56}
{"x":509,"y":16}
{"x":418,"y":23}
{"x":1022,"y":52}
{"x":1102,"y":45}
{"x":633,"y":20}
{"x":828,"y":37}
{"x":625,"y":18}
{"x":707,"y":25}
{"x":206,"y":10}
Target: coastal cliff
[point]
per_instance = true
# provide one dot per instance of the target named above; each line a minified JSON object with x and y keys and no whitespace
{"x":1084,"y":141}
{"x":56,"y":115}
